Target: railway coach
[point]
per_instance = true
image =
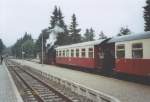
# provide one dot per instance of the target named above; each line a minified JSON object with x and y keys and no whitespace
{"x":87,"y":55}
{"x":129,"y":54}
{"x":132,"y":54}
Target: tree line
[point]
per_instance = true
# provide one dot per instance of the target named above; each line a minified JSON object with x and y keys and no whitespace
{"x":24,"y":47}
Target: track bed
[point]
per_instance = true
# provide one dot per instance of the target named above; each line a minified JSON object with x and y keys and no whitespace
{"x":34,"y":88}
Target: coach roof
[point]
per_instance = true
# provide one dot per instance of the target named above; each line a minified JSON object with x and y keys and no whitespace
{"x":89,"y":43}
{"x":144,"y":35}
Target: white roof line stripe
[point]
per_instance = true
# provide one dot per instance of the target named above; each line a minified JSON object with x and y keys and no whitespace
{"x":89,"y":43}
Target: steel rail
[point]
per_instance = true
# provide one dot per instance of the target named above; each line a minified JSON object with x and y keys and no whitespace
{"x":34,"y":92}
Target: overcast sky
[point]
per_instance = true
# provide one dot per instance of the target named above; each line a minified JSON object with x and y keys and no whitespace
{"x":19,"y":16}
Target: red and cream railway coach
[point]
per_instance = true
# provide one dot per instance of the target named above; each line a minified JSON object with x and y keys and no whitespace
{"x":84,"y":55}
{"x":132,"y":53}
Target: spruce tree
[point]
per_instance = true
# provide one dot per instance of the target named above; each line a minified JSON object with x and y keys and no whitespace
{"x":147,"y":15}
{"x":86,"y":35}
{"x":58,"y":18}
{"x":26,"y":37}
{"x":102,"y":35}
{"x":29,"y":49}
{"x":62,"y":38}
{"x":61,"y":19}
{"x":75,"y":36}
{"x":54,"y":18}
{"x":92,"y":34}
{"x":89,"y":35}
{"x":18,"y":46}
{"x":124,"y":31}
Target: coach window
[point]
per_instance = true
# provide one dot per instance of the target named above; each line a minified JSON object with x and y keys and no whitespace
{"x":137,"y":50}
{"x":56,"y":53}
{"x":67,"y":53}
{"x":59,"y":53}
{"x":90,"y":53}
{"x":83,"y":52}
{"x":77,"y":52}
{"x":120,"y":51}
{"x":63,"y":53}
{"x":72,"y":53}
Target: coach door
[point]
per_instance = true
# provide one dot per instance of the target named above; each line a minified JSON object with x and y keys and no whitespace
{"x":99,"y":58}
{"x":109,"y":58}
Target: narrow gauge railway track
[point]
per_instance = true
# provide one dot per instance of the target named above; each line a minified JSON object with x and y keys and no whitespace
{"x":36,"y":89}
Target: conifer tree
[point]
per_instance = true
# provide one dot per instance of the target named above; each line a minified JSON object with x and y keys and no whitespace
{"x":26,"y":37}
{"x":75,"y":36}
{"x":92,"y":34}
{"x":86,"y":35}
{"x":28,"y":49}
{"x":18,"y":46}
{"x":124,"y":31}
{"x":102,"y":35}
{"x":62,"y":38}
{"x":54,"y":18}
{"x":58,"y":18}
{"x":147,"y":15}
{"x":61,"y":19}
{"x":89,"y":35}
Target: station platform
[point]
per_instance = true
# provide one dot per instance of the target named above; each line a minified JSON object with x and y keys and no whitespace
{"x":123,"y":90}
{"x":8,"y":90}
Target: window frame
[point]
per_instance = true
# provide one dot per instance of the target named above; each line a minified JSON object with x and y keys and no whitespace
{"x":120,"y":52}
{"x":83,"y":52}
{"x":77,"y":52}
{"x":67,"y":53}
{"x":60,"y":54}
{"x":57,"y":53}
{"x":63,"y":53}
{"x":91,"y":53}
{"x":72,"y":52}
{"x":134,"y":49}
